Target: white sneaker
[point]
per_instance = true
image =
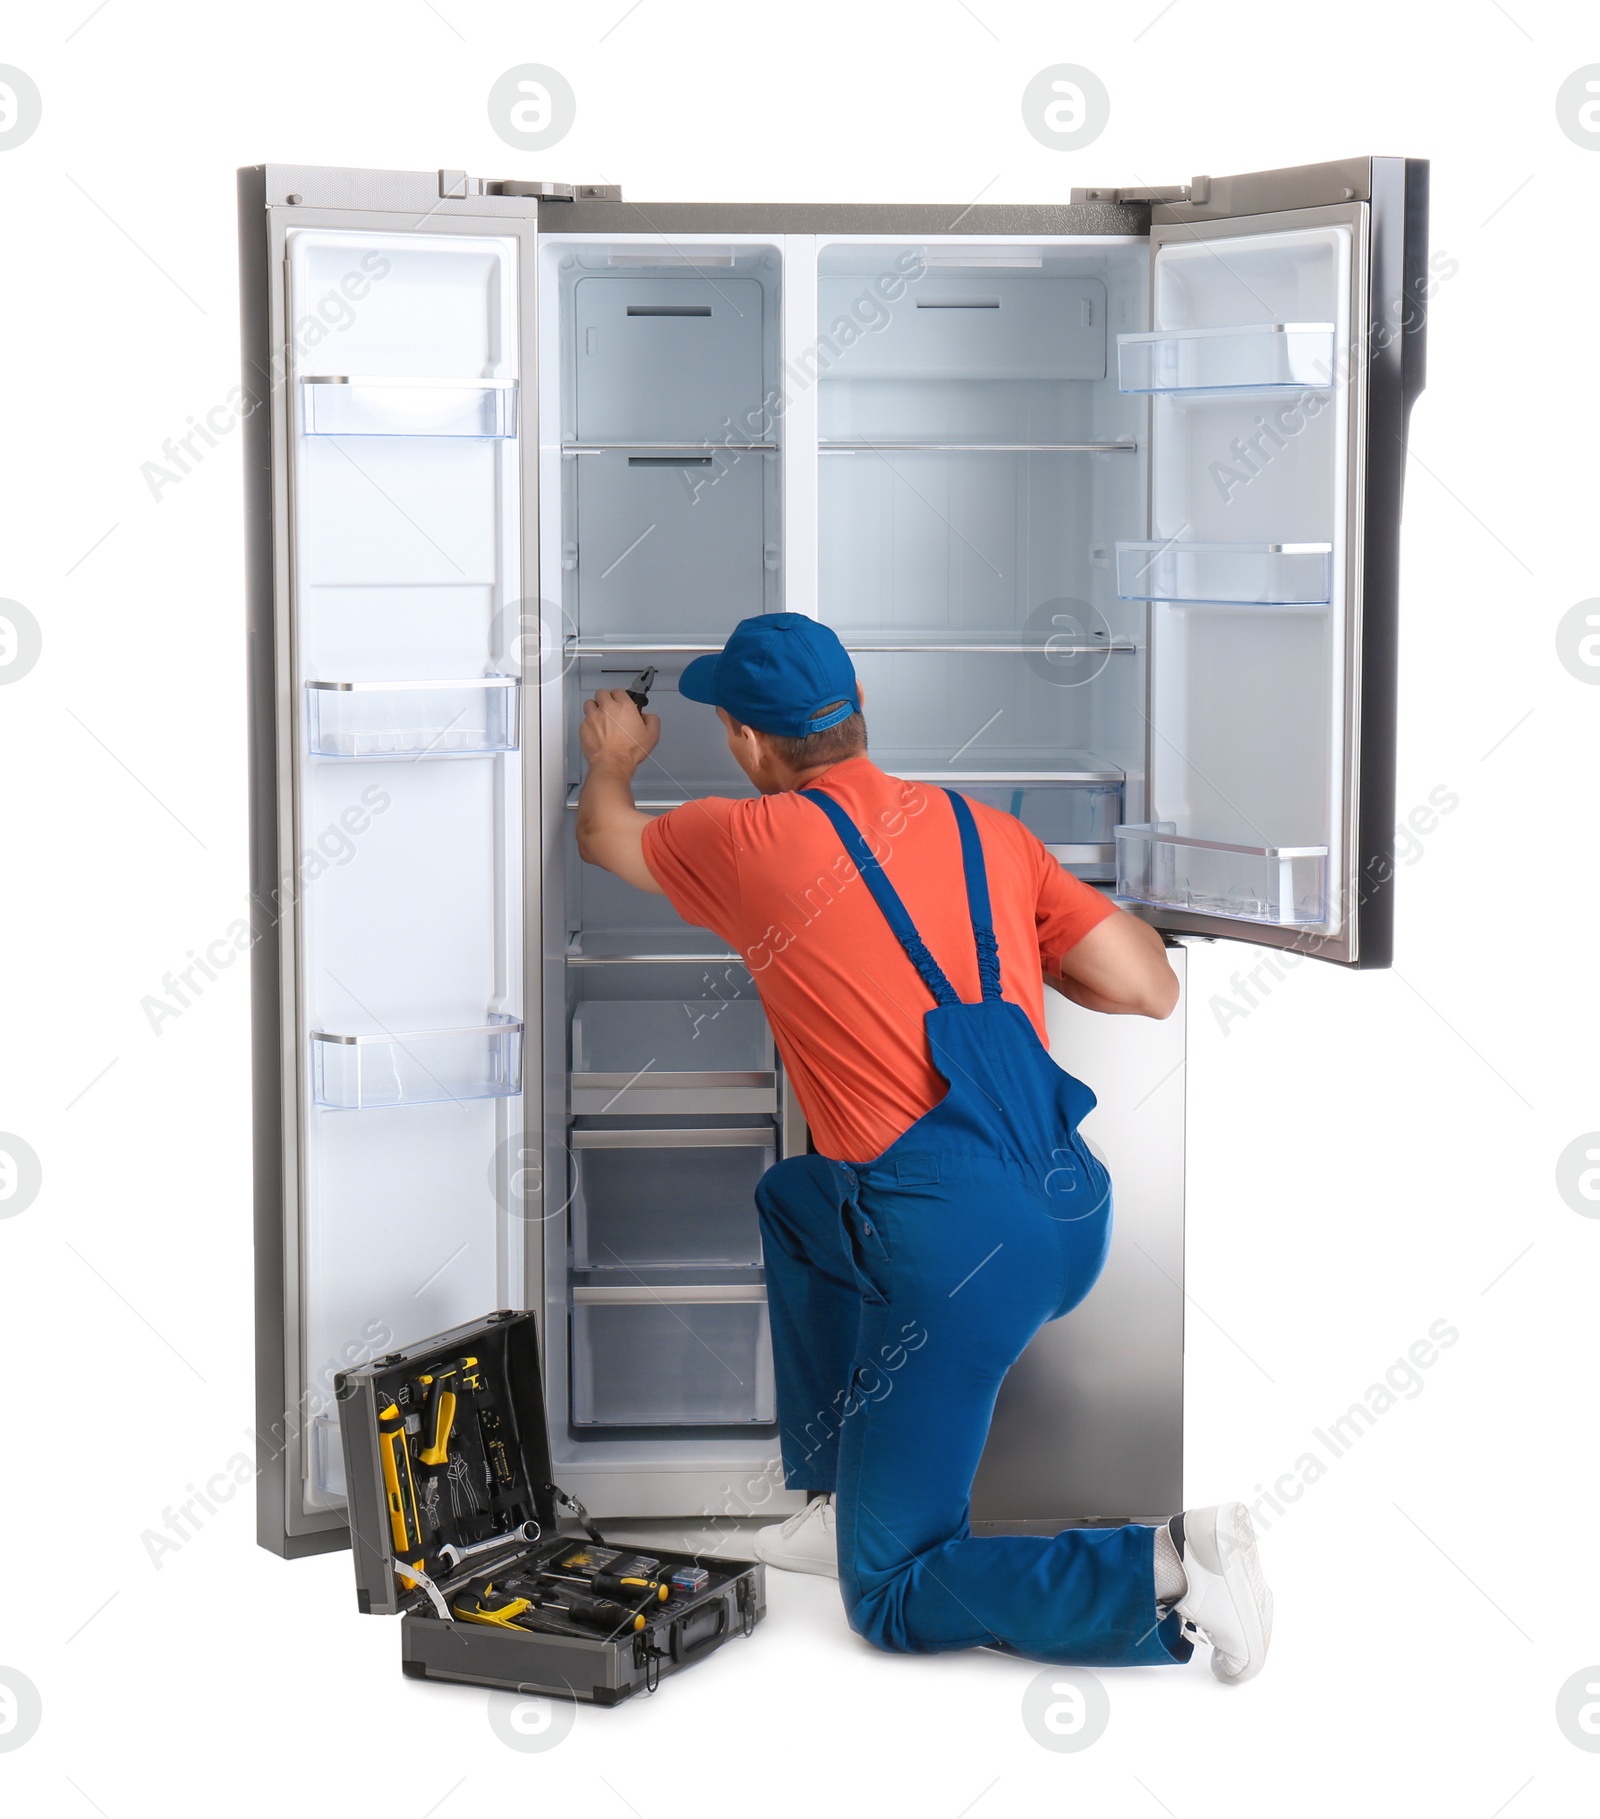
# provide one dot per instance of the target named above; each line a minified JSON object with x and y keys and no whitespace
{"x":806,"y":1543}
{"x":1227,"y":1601}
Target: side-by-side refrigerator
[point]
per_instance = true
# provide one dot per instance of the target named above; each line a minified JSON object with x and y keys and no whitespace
{"x":1103,"y":497}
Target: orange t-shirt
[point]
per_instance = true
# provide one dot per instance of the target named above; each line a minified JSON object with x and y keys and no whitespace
{"x":846,"y":1006}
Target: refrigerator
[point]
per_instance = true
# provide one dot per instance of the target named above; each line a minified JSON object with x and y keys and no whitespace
{"x":1104,"y":498}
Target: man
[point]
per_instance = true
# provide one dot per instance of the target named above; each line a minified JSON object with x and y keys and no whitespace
{"x":900,"y":939}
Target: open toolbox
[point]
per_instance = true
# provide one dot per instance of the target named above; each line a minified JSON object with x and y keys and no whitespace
{"x":454,"y":1524}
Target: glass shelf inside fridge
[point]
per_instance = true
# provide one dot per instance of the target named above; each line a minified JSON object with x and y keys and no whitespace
{"x":669,"y":1198}
{"x":671,"y":1357}
{"x":337,"y":404}
{"x":412,"y":719}
{"x":1283,"y":885}
{"x":1266,"y":356}
{"x":1226,"y":574}
{"x":417,"y":1067}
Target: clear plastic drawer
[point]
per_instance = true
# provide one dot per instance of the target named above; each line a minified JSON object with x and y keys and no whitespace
{"x":1264,"y":356}
{"x":668,"y":1198}
{"x":694,"y":1055}
{"x":1076,"y":821}
{"x":1283,"y":885}
{"x":412,"y":719}
{"x":418,"y":1067}
{"x":1226,"y":574}
{"x":649,"y":1357}
{"x":336,"y":405}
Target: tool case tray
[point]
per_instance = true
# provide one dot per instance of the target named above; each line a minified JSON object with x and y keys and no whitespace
{"x":490,"y":1478}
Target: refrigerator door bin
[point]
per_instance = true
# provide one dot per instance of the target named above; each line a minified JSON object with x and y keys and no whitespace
{"x":698,"y":1055}
{"x":335,"y":404}
{"x":412,"y":719}
{"x":1267,"y":356}
{"x":659,"y":541}
{"x":667,"y":357}
{"x":1282,"y":885}
{"x":668,"y":1198}
{"x":1226,"y":574}
{"x":419,"y":1067}
{"x":671,"y":1357}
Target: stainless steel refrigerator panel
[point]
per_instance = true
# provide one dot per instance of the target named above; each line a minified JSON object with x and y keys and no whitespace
{"x":1089,"y":1424}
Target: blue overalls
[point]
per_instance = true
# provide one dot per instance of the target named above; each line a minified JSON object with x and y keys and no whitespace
{"x":903,"y":1289}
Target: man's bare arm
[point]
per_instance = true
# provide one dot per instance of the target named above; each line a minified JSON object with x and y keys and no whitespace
{"x":1120,"y":967}
{"x":616,"y":739}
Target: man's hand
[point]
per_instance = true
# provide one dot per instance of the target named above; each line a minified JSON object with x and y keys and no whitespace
{"x":613,"y":731}
{"x":616,"y":739}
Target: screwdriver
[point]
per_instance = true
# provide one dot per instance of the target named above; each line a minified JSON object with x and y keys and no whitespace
{"x":602,"y":1613}
{"x":608,"y":1585}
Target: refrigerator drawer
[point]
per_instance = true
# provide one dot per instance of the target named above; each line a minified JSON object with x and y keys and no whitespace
{"x":660,"y":542}
{"x":670,"y":357}
{"x":668,"y":1198}
{"x":988,"y":326}
{"x":360,"y":1073}
{"x":664,"y":1357}
{"x":1076,"y":821}
{"x":695,"y":1055}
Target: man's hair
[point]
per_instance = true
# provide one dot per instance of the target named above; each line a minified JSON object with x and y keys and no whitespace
{"x":846,"y":740}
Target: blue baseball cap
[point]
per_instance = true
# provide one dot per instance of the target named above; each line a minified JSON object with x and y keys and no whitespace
{"x":778,"y":672}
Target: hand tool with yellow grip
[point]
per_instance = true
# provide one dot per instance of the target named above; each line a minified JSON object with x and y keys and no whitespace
{"x":399,"y":1487}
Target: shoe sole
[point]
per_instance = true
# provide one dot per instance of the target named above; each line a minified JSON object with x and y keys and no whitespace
{"x":1247,"y":1586}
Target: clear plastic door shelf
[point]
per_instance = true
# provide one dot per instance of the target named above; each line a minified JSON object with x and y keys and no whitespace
{"x":1269,"y":356}
{"x":335,"y":404}
{"x":412,"y":719}
{"x":417,"y":1067}
{"x":1283,"y":885}
{"x":1226,"y":574}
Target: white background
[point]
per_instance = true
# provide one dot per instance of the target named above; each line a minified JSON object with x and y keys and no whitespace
{"x":1369,"y":1153}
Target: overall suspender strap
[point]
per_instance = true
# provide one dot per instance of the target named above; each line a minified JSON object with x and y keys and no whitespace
{"x":978,"y":897}
{"x":886,"y":897}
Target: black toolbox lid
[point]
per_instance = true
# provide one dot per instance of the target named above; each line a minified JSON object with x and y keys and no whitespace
{"x":492,"y":1475}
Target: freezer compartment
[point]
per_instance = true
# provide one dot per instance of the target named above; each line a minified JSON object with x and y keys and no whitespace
{"x":655,"y":543}
{"x":1226,"y":574}
{"x":711,"y":1054}
{"x":335,"y":404}
{"x":1284,"y":885}
{"x":668,"y":1198}
{"x":412,"y":719}
{"x":418,"y":1067}
{"x":671,"y":1357}
{"x":1260,"y":357}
